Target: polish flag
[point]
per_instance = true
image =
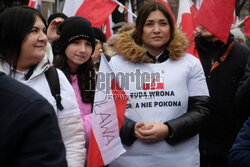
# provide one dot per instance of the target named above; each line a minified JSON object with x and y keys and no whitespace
{"x":108,"y":27}
{"x":71,"y":7}
{"x":108,"y":116}
{"x":32,"y":3}
{"x":96,"y":11}
{"x":129,"y":18}
{"x":217,"y":17}
{"x":185,"y":21}
{"x":37,"y":4}
{"x":247,"y":26}
{"x":165,"y":2}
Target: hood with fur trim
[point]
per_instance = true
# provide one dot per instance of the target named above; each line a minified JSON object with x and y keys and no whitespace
{"x":127,"y":47}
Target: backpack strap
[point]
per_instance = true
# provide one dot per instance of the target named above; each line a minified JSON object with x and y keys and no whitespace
{"x":53,"y":81}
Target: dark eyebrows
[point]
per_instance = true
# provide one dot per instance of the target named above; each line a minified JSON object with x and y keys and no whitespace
{"x":149,"y":21}
{"x":37,"y":28}
{"x":162,"y":20}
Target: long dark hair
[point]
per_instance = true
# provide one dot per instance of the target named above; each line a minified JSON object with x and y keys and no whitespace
{"x":15,"y":23}
{"x":144,"y":12}
{"x":85,"y":74}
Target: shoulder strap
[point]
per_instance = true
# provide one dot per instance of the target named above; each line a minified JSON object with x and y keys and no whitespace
{"x":223,"y":57}
{"x":53,"y":81}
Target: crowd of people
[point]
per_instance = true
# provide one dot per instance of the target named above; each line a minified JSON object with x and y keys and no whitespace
{"x":205,"y":117}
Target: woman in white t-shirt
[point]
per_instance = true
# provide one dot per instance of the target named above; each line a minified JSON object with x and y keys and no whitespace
{"x":166,"y":86}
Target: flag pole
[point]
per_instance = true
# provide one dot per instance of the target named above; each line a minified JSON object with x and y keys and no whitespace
{"x":139,"y":115}
{"x":120,"y":4}
{"x":103,"y":58}
{"x":240,"y":23}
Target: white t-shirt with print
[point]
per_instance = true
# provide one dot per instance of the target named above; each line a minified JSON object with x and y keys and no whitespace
{"x":160,"y":92}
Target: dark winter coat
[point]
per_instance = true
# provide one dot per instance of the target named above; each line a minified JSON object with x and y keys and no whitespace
{"x":219,"y":132}
{"x":242,"y":97}
{"x":239,"y":155}
{"x":29,"y":130}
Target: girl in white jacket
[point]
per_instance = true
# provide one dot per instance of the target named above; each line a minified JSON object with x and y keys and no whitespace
{"x":25,"y":55}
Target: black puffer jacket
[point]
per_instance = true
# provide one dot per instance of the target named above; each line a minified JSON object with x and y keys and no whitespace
{"x":219,"y":132}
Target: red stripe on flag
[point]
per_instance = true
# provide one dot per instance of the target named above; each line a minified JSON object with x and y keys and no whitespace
{"x":94,"y":158}
{"x":32,"y":4}
{"x":247,"y":26}
{"x":96,"y":11}
{"x":193,"y":10}
{"x":108,"y":32}
{"x":108,"y":117}
{"x":120,"y":101}
{"x":187,"y":25}
{"x":187,"y":11}
{"x":217,"y":17}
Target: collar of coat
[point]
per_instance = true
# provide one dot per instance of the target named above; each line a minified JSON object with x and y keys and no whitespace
{"x":40,"y":68}
{"x":127,"y":47}
{"x":202,"y":43}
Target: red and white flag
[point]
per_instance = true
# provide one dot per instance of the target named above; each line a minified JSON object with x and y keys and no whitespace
{"x":96,"y":11}
{"x":108,"y":27}
{"x":37,"y":4}
{"x":165,"y":2}
{"x":108,"y":116}
{"x":71,"y":7}
{"x":185,"y":21}
{"x":217,"y":17}
{"x":247,"y":26}
{"x":32,"y":3}
{"x":129,"y":18}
